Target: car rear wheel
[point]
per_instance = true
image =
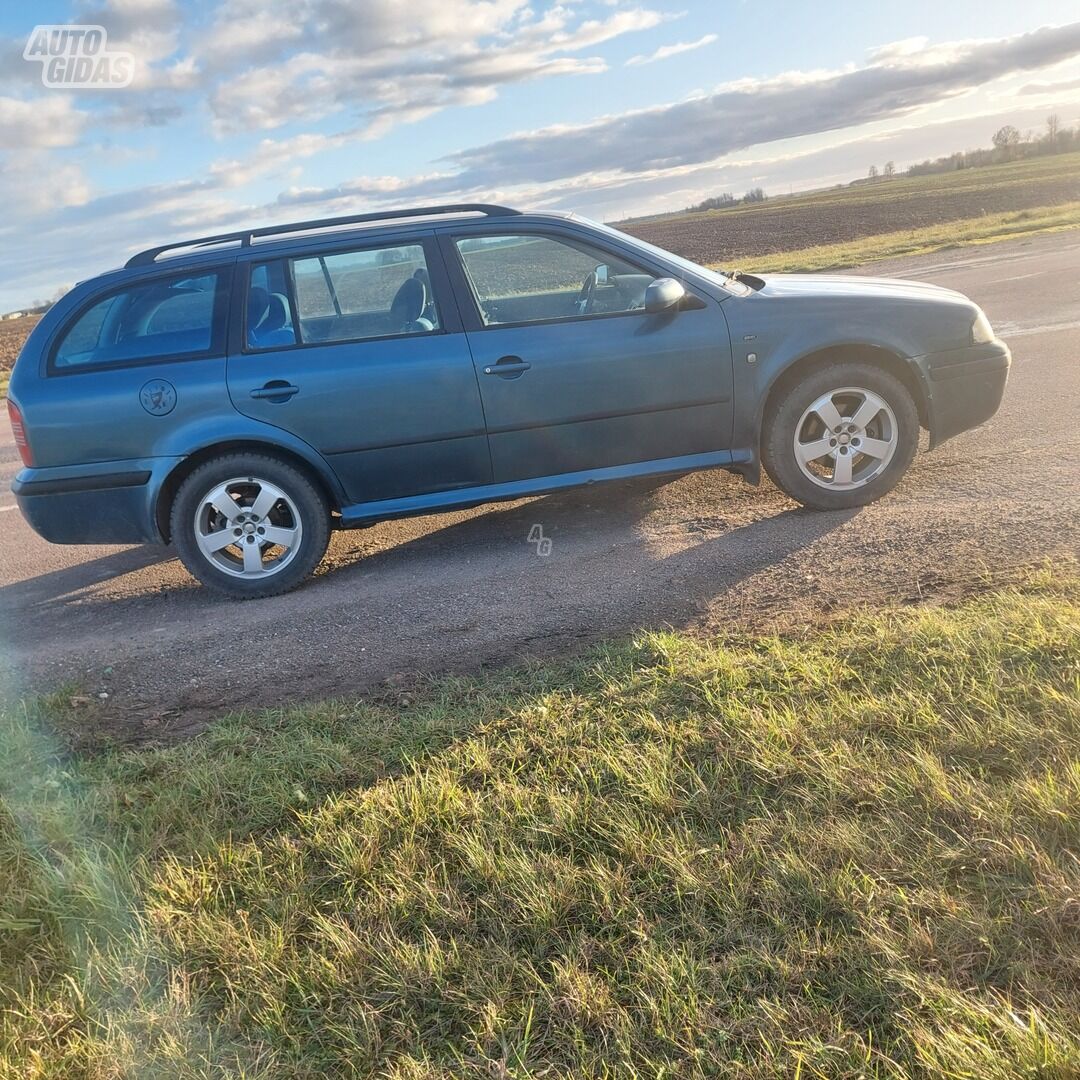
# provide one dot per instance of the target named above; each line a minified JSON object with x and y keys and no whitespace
{"x":249,"y":525}
{"x":842,"y":436}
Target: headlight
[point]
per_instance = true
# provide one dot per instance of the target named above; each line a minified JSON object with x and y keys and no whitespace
{"x":982,"y":333}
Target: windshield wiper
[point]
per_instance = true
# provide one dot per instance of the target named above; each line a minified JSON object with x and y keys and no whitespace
{"x":750,"y":280}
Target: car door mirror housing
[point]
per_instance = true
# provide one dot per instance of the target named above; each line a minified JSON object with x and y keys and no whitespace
{"x":663,"y":294}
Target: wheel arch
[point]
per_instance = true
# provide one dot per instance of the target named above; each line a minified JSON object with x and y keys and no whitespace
{"x":901,"y":367}
{"x":180,"y":472}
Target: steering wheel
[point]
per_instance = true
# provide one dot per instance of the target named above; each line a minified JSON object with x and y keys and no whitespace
{"x":587,"y":294}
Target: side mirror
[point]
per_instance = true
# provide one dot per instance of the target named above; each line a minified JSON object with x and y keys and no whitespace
{"x":601,"y":274}
{"x":663,"y":294}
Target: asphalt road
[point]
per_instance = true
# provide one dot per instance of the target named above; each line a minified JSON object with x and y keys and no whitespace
{"x":468,"y":590}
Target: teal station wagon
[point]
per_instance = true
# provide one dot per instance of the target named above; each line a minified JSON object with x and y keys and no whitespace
{"x":241,"y":395}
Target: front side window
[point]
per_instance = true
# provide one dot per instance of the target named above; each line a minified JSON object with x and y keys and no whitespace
{"x":532,"y":278}
{"x":166,"y":317}
{"x":374,"y":293}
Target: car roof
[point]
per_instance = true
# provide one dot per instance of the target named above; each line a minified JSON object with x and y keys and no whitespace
{"x":308,"y":235}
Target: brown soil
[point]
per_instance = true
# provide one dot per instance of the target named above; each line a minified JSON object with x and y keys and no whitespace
{"x":851,"y":214}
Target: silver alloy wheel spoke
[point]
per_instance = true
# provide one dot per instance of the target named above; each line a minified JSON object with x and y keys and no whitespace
{"x":248,"y":527}
{"x":273,"y":534}
{"x":842,"y":469}
{"x":215,"y":541}
{"x":225,"y":505}
{"x":846,"y":438}
{"x":829,"y":414}
{"x":866,"y":412}
{"x":252,"y":557}
{"x":876,"y":448}
{"x":811,"y":451}
{"x":264,"y":501}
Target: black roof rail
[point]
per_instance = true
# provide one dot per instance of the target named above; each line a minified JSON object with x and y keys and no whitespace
{"x":245,"y":236}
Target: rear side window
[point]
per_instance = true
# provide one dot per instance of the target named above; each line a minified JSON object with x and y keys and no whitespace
{"x":166,"y":317}
{"x":373,"y":293}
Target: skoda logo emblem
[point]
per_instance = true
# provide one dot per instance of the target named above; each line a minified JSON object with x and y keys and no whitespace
{"x":158,"y":397}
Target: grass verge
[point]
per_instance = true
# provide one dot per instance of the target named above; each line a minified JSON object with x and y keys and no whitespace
{"x":847,"y":854}
{"x":985,"y":229}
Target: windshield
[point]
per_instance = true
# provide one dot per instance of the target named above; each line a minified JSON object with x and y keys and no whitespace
{"x":716,"y":276}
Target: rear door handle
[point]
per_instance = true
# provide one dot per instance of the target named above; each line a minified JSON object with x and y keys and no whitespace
{"x":277,"y":391}
{"x":508,"y":367}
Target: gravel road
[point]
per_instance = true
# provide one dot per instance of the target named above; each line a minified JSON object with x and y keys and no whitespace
{"x":467,"y":590}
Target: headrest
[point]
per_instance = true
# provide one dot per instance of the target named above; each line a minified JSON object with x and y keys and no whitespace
{"x":258,"y":304}
{"x":409,"y":301}
{"x":277,"y":314}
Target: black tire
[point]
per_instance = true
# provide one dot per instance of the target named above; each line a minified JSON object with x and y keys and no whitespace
{"x":308,"y":502}
{"x":784,"y":415}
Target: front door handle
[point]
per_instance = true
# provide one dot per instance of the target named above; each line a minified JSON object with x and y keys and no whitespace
{"x":277,"y":391}
{"x":508,"y":367}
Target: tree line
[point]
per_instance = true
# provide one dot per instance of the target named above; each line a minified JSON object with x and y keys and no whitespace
{"x":718,"y":202}
{"x":1008,"y":144}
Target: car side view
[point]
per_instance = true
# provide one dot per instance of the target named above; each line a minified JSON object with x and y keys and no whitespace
{"x":242,"y":395}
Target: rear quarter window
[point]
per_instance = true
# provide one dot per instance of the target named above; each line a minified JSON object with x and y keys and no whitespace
{"x":156,"y":319}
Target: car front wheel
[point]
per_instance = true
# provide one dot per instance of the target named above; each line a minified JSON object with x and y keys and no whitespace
{"x":249,"y":525}
{"x":841,"y":437}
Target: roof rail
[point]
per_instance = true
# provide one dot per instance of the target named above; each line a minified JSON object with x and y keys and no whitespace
{"x":245,"y":236}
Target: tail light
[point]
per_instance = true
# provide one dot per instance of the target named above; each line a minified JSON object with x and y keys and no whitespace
{"x":18,"y":429}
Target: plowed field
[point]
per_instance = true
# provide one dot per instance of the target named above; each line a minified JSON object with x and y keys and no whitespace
{"x":842,"y":215}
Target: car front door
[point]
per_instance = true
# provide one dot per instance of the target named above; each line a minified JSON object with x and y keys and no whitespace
{"x":359,"y":351}
{"x":574,"y":374}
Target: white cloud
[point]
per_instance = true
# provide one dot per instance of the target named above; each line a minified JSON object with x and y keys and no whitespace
{"x":898,"y":50}
{"x":34,"y":183}
{"x":149,"y":30}
{"x":1063,"y":87}
{"x":750,"y":112}
{"x":398,"y":63}
{"x":45,"y":121}
{"x":666,"y":51}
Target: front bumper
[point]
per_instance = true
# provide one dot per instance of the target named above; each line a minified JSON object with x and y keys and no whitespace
{"x":964,"y":387}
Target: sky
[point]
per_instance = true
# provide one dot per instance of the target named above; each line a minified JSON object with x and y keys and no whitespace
{"x":244,"y":112}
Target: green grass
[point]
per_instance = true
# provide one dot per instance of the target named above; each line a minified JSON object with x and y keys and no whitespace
{"x":985,"y":229}
{"x":844,"y":854}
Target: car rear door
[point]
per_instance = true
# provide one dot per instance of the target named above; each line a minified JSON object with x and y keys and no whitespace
{"x":358,"y":350}
{"x":567,"y":389}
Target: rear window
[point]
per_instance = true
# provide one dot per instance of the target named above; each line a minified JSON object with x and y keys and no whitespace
{"x":166,"y":317}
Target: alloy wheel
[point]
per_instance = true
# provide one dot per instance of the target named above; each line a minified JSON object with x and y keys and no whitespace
{"x":846,"y":438}
{"x":248,"y":527}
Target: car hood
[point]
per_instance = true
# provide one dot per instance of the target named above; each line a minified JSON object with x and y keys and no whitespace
{"x":838,"y":286}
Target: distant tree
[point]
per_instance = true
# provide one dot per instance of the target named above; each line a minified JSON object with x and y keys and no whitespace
{"x":873,"y":173}
{"x":754,"y":195}
{"x":1053,"y":128}
{"x":889,"y":171}
{"x":1006,"y":139}
{"x":714,"y":202}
